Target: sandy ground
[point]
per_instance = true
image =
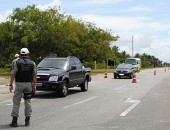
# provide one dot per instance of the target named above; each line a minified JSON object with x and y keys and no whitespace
{"x":4,"y":81}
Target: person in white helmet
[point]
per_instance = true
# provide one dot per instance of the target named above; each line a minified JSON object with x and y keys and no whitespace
{"x":12,"y":65}
{"x":16,"y":55}
{"x":24,"y":75}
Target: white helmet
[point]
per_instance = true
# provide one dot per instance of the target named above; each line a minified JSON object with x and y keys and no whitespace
{"x":24,"y":51}
{"x":16,"y":55}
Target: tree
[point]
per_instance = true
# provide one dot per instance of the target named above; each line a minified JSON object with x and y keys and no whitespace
{"x":52,"y":32}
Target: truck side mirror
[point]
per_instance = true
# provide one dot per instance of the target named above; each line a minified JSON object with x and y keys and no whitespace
{"x":73,"y":67}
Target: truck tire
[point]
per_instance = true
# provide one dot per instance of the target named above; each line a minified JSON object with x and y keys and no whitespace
{"x":84,"y":86}
{"x":131,"y":75}
{"x":63,"y":89}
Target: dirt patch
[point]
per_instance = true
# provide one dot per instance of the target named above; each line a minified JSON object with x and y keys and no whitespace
{"x":4,"y":81}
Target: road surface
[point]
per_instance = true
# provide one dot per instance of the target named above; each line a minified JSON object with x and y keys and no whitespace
{"x":109,"y":104}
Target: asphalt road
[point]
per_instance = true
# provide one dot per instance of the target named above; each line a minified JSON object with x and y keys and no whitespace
{"x":109,"y":104}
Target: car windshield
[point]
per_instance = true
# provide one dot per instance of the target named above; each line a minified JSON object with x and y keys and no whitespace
{"x":124,"y":66}
{"x":131,"y":61}
{"x":53,"y":63}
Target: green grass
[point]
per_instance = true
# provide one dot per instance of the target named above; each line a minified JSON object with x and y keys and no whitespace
{"x":100,"y":71}
{"x":5,"y":72}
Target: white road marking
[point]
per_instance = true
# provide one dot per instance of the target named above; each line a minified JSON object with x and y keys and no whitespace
{"x":3,"y":90}
{"x":135,"y":103}
{"x":11,"y":103}
{"x":119,"y":88}
{"x":45,"y":115}
{"x":147,"y":77}
{"x":67,"y":107}
{"x":6,"y":101}
{"x":80,"y":102}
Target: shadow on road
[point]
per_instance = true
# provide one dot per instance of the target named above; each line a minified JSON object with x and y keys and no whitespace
{"x":123,"y":77}
{"x":7,"y":127}
{"x":53,"y":94}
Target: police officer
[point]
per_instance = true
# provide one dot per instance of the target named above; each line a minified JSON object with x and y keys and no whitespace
{"x":24,"y":74}
{"x":12,"y":65}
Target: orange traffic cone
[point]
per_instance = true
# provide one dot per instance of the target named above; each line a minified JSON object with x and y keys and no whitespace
{"x":105,"y":75}
{"x":134,"y":79}
{"x":154,"y":72}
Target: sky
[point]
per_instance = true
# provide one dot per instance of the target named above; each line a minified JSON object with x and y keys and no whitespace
{"x":147,"y":21}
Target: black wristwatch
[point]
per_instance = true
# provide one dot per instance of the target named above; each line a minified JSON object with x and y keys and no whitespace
{"x":10,"y":84}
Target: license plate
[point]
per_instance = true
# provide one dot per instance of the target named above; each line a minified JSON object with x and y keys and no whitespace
{"x":121,"y":74}
{"x":39,"y":84}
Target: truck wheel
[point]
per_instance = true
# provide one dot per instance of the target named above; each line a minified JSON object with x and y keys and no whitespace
{"x":63,"y":89}
{"x":131,"y":75}
{"x":84,"y":86}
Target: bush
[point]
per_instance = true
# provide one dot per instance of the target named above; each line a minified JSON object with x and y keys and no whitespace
{"x":4,"y":71}
{"x":92,"y":65}
{"x":98,"y":65}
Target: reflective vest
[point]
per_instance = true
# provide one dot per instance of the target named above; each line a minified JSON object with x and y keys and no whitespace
{"x":25,"y":70}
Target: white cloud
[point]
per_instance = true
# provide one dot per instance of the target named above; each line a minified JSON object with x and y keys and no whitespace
{"x":103,"y":1}
{"x":99,"y":2}
{"x":53,"y":4}
{"x":140,"y":43}
{"x":4,"y":17}
{"x":159,"y":48}
{"x":139,"y":9}
{"x":169,"y":32}
{"x":122,"y":23}
{"x":156,"y":26}
{"x":127,"y":23}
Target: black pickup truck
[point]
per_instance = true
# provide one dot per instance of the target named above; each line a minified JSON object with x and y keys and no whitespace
{"x":60,"y":73}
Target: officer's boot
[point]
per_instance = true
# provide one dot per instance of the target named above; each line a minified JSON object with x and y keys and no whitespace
{"x":27,"y":121}
{"x":14,"y":122}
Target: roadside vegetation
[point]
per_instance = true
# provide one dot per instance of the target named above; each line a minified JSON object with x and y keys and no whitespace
{"x":53,"y":32}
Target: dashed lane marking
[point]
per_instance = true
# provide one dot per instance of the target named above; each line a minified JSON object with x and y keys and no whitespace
{"x":119,"y":88}
{"x":10,"y":102}
{"x":6,"y":101}
{"x":22,"y":100}
{"x":79,"y":102}
{"x":3,"y":90}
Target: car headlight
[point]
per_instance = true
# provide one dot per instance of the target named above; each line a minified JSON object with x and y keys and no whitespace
{"x":53,"y":78}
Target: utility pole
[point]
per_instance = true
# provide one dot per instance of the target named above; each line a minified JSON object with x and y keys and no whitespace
{"x":132,"y":46}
